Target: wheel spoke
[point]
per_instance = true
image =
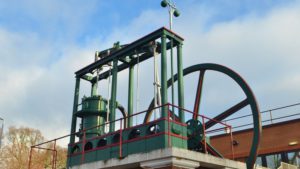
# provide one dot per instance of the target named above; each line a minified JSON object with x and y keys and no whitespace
{"x":227,"y":113}
{"x":198,"y":94}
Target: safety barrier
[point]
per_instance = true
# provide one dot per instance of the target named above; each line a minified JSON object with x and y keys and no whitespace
{"x":123,"y":135}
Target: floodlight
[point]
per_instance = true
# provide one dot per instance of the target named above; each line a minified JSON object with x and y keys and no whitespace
{"x":164,"y":3}
{"x":176,"y":13}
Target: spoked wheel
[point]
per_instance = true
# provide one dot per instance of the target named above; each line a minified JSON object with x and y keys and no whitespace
{"x":248,"y":101}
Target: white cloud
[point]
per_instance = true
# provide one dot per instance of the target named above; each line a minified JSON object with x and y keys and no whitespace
{"x":264,"y":49}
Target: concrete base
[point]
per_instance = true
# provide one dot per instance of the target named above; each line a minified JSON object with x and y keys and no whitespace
{"x":169,"y":158}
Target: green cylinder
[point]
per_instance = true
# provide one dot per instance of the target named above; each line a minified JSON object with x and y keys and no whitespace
{"x":94,"y":114}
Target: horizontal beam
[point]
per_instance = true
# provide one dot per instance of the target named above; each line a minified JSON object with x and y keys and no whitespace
{"x":127,"y":50}
{"x":133,"y":61}
{"x":121,"y":67}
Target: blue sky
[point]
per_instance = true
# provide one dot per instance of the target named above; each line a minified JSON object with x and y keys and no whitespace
{"x":44,"y":42}
{"x":78,"y":20}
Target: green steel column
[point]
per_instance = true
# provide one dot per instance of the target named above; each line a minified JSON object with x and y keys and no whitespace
{"x":172,"y":77}
{"x":75,"y":106}
{"x":94,"y":89}
{"x":130,"y":94}
{"x":164,"y":87}
{"x":112,"y":106}
{"x":180,"y":82}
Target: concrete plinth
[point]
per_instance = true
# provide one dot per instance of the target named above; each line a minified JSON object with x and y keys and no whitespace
{"x":169,"y":158}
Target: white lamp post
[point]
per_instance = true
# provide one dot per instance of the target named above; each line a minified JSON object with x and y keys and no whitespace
{"x":172,"y":10}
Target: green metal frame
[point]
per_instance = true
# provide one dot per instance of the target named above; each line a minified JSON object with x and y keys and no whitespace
{"x":126,"y":57}
{"x":123,"y":59}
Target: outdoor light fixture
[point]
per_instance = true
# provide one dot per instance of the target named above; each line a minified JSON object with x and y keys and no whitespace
{"x":227,"y":130}
{"x":164,"y":3}
{"x":235,"y":143}
{"x":293,"y":143}
{"x":173,"y":11}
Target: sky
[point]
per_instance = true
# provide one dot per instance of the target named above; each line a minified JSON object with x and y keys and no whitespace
{"x":42,"y":44}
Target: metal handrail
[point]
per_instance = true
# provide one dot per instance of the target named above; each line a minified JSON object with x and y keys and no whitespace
{"x":120,"y":131}
{"x":248,"y":124}
{"x":265,"y":111}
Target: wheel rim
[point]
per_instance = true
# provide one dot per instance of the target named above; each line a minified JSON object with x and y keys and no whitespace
{"x":250,"y":100}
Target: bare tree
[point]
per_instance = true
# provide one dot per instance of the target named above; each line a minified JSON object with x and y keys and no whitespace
{"x":15,"y":153}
